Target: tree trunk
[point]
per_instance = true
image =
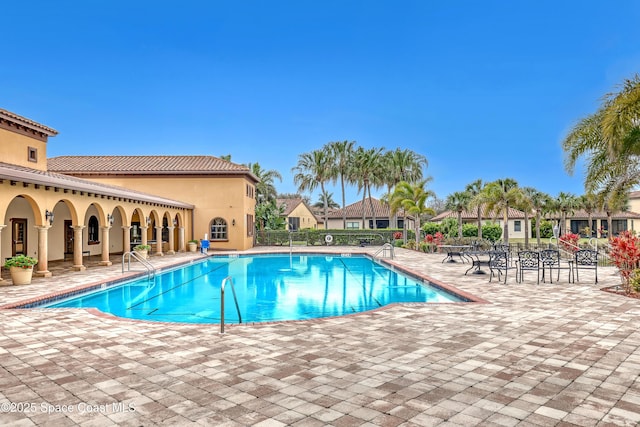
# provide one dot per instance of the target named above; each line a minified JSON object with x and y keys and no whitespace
{"x":526,"y":230}
{"x":538,"y":226}
{"x":459,"y":223}
{"x":479,"y":224}
{"x":505,"y":227}
{"x":344,"y":213}
{"x":326,"y":223}
{"x":373,"y":213}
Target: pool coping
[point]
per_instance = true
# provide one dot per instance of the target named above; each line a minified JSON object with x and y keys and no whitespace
{"x":39,"y":301}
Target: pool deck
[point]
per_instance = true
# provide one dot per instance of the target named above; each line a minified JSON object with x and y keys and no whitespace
{"x":533,"y":355}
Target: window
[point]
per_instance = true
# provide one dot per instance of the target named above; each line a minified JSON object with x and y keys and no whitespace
{"x":33,"y":154}
{"x":250,"y":191}
{"x":219,"y":229}
{"x":353,"y":225}
{"x":93,"y":231}
{"x":250,"y":225}
{"x":294,"y":223}
{"x":380,"y":223}
{"x":517,"y":226}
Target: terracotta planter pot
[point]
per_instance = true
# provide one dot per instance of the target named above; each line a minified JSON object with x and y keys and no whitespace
{"x":143,"y":253}
{"x":192,"y":247}
{"x":21,"y":276}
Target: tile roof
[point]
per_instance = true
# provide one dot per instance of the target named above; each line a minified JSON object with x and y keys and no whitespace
{"x":289,"y":204}
{"x":13,"y":117}
{"x":603,"y":215}
{"x":145,"y":165}
{"x":473,"y":214}
{"x":354,"y":210}
{"x":52,"y":179}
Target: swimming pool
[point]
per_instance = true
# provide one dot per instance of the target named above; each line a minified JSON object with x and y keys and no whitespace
{"x":268,"y":288}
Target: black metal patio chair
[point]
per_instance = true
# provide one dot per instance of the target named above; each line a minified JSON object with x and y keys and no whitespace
{"x":550,"y":259}
{"x":585,"y":259}
{"x":499,"y":262}
{"x":528,"y":261}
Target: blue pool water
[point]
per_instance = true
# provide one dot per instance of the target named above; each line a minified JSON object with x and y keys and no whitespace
{"x":268,"y":287}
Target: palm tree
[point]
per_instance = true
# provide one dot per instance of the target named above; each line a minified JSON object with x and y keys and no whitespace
{"x":525,"y":204}
{"x":328,"y":199}
{"x":609,"y":139}
{"x":589,"y":202}
{"x":611,"y":203}
{"x":412,"y":199}
{"x":539,"y":203}
{"x":265,"y":188}
{"x":402,"y":165}
{"x":366,"y":173}
{"x":565,"y":203}
{"x":621,"y":118}
{"x":475,"y":191}
{"x":458,"y":202}
{"x":501,"y":195}
{"x":313,"y":170}
{"x":342,"y":155}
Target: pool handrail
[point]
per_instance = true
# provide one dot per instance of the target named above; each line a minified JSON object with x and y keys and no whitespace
{"x":383,"y":249}
{"x":151,"y":271}
{"x":235,"y":299}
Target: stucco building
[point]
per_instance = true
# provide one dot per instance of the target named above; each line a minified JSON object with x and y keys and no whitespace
{"x":78,"y":206}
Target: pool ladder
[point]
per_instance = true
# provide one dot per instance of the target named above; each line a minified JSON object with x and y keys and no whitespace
{"x":226,"y":280}
{"x":387,"y":248}
{"x":151,"y":271}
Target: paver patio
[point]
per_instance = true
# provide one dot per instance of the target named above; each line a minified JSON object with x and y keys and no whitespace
{"x":534,"y":355}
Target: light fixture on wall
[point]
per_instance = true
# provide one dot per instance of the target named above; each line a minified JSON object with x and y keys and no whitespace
{"x":110,"y":219}
{"x":233,"y":222}
{"x":148,"y":221}
{"x":48,"y":216}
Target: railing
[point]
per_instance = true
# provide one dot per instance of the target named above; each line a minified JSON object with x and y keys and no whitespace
{"x":235,"y":299}
{"x":151,"y":271}
{"x":387,"y":247}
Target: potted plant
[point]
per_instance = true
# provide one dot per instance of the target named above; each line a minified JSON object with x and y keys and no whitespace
{"x":192,"y":245}
{"x":21,"y":268}
{"x":143,"y":250}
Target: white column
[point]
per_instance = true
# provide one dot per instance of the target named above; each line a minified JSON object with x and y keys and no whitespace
{"x":159,"y":241}
{"x":181,"y":243}
{"x":171,"y":251}
{"x":43,"y":255}
{"x":77,"y":248}
{"x":104,"y":260}
{"x":126,"y":238}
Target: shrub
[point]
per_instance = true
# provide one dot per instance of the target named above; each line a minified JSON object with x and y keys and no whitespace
{"x":431,"y":227}
{"x":449,"y":227}
{"x":625,"y":254}
{"x":21,"y":261}
{"x":491,"y":231}
{"x":142,"y":247}
{"x":469,"y":230}
{"x":569,"y":242}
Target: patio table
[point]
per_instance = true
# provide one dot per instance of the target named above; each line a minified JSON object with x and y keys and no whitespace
{"x":478,"y":259}
{"x":454,"y":250}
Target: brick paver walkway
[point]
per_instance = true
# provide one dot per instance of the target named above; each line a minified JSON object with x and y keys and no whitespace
{"x":534,"y":355}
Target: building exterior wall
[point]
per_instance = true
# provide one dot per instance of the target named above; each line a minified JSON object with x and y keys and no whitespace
{"x":30,"y":202}
{"x":214,"y":197}
{"x":307,"y":219}
{"x":14,"y":149}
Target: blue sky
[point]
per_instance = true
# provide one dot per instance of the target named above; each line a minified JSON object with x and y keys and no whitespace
{"x":483,"y":89}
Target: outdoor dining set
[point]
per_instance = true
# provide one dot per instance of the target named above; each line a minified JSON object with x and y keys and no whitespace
{"x":500,"y":260}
